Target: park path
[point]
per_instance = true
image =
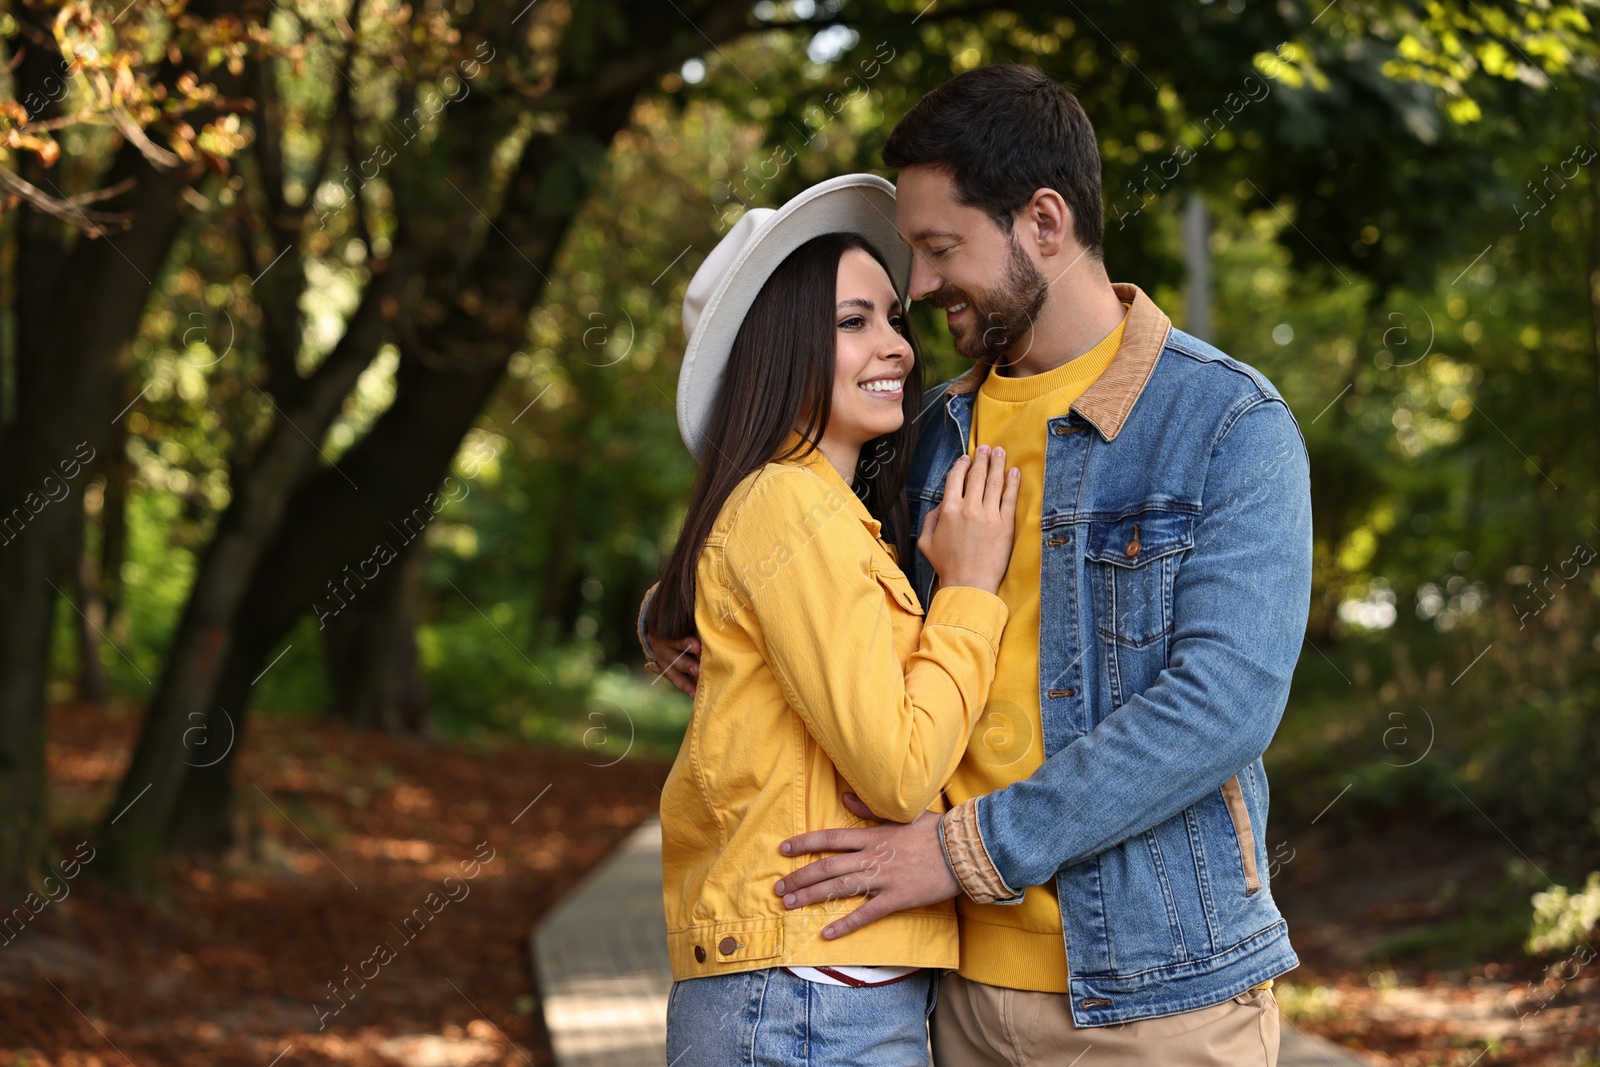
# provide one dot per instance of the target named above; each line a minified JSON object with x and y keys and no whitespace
{"x":601,"y":958}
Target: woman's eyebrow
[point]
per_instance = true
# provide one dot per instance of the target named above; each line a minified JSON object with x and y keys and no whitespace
{"x":867,"y":305}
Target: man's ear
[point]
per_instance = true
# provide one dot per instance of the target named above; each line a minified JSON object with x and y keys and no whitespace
{"x":1047,"y":221}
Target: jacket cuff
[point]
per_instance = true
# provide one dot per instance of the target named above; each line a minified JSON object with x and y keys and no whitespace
{"x":969,"y":860}
{"x":970,"y":608}
{"x":650,"y":663}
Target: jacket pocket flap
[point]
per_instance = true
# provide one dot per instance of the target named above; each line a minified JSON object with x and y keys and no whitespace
{"x":1134,"y":540}
{"x":898,"y":587}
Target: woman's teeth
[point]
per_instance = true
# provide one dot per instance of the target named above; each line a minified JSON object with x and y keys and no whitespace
{"x":882,"y":385}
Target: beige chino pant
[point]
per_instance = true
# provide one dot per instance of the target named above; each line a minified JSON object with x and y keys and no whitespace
{"x":978,"y":1025}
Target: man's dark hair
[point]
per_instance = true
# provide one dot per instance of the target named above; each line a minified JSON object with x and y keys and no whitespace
{"x":1001,"y":133}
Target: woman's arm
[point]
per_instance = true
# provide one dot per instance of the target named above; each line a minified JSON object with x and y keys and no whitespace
{"x":801,"y":564}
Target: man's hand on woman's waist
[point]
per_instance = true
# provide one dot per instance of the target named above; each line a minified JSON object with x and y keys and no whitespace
{"x":895,"y":865}
{"x":677,"y":661}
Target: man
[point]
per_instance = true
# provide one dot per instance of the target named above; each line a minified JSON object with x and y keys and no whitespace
{"x":1106,"y":841}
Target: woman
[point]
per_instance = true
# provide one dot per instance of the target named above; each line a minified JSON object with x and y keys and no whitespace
{"x":818,"y":670}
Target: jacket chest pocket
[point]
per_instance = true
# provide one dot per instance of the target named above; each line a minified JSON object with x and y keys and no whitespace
{"x":1132,"y":562}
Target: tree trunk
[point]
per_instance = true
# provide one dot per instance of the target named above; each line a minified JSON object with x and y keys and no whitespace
{"x":91,"y":604}
{"x":114,"y":530}
{"x":185,"y":696}
{"x":370,"y":648}
{"x":462,"y":319}
{"x":1593,"y":255}
{"x":79,"y":304}
{"x":69,"y":348}
{"x":396,"y":465}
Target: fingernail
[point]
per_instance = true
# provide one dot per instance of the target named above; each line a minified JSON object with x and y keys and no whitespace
{"x":828,"y":932}
{"x":982,"y":449}
{"x":784,"y":848}
{"x":789,"y":900}
{"x":779,"y":887}
{"x":999,"y":452}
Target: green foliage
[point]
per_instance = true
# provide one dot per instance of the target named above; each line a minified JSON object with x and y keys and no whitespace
{"x":1403,"y":242}
{"x":294,"y":679}
{"x":1469,"y":927}
{"x":481,"y":682}
{"x":1304,"y":1004}
{"x":156,"y":574}
{"x":1563,"y":919}
{"x":1487,"y":729}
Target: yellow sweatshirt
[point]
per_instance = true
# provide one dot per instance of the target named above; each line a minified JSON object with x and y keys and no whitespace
{"x":1019,"y":946}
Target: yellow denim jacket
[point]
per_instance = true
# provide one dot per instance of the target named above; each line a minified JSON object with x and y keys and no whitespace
{"x":818,"y":673}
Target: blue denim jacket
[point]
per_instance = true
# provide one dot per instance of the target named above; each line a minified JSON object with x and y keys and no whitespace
{"x":1174,"y":588}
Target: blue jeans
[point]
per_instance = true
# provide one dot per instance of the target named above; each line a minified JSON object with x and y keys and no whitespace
{"x":770,"y":1018}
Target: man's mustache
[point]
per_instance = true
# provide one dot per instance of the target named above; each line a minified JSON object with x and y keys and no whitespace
{"x":949,"y":297}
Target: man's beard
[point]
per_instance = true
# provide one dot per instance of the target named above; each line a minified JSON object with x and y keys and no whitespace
{"x":1000,"y":317}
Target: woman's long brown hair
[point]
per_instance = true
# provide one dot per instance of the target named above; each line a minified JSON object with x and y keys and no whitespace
{"x":779,"y":378}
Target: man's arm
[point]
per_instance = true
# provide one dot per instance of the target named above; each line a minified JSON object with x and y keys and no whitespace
{"x":1240,"y":603}
{"x":676,"y":661}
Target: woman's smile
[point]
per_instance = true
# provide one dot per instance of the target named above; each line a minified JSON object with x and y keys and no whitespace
{"x":886,"y":388}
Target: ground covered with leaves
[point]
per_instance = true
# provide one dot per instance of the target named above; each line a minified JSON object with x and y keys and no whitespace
{"x":445,"y":854}
{"x":1410,"y":942}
